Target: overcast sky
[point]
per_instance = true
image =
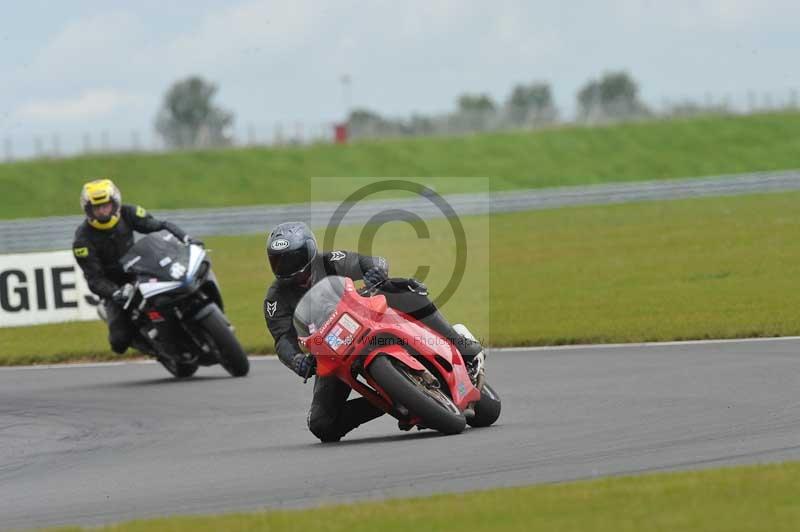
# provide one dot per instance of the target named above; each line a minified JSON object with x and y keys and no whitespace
{"x":86,"y":66}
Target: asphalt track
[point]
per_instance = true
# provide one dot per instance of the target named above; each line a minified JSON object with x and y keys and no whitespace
{"x":91,"y":445}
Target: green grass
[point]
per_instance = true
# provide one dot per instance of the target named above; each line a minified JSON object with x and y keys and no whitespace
{"x":691,"y":269}
{"x":756,"y":499}
{"x":566,"y":156}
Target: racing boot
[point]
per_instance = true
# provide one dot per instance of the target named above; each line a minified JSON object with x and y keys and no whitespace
{"x":476,"y":370}
{"x":475,"y":367}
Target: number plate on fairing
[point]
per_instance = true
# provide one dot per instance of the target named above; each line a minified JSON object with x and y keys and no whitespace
{"x":341,"y":334}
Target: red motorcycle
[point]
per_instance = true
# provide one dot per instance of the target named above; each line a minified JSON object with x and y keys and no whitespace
{"x":397,"y":363}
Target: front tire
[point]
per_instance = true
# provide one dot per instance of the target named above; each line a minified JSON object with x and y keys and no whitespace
{"x":435,"y":408}
{"x":231,"y":355}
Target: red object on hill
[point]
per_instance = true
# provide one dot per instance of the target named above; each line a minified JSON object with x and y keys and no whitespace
{"x":340,"y":133}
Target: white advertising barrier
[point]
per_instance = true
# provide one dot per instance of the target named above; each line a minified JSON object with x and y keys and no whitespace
{"x":40,"y":288}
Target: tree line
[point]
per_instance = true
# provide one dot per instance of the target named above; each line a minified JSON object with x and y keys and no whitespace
{"x":189,"y":118}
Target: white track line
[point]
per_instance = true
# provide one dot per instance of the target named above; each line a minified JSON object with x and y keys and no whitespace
{"x":643,"y":344}
{"x":256,"y":358}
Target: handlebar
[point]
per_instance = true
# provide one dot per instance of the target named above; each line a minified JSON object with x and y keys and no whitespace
{"x":366,"y":291}
{"x":308,"y":372}
{"x":134,"y":288}
{"x":369,"y":291}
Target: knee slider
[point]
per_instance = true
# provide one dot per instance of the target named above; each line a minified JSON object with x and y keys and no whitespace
{"x":120,"y":341}
{"x":322,"y":426}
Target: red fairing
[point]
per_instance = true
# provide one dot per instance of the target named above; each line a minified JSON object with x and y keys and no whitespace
{"x":362,"y":328}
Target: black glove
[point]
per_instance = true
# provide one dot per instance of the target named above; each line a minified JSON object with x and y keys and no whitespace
{"x":417,"y":287}
{"x":304,"y":365}
{"x":121,"y":294}
{"x":375,"y":277}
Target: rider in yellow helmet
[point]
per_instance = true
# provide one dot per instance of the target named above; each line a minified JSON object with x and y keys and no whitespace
{"x":101,"y":202}
{"x":101,"y":240}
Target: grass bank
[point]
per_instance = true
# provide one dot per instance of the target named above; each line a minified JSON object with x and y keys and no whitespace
{"x":674,"y":270}
{"x":564,"y":156}
{"x":734,"y":499}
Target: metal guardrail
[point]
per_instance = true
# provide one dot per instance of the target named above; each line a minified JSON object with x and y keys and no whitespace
{"x":41,"y":234}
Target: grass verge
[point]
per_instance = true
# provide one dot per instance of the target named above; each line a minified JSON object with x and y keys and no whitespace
{"x":565,"y":156}
{"x":753,"y":498}
{"x":675,"y":270}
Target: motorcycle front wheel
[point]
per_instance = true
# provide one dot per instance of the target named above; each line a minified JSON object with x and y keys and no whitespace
{"x":231,"y":355}
{"x":405,"y":387}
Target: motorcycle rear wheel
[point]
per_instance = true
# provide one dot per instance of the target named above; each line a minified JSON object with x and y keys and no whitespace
{"x":434,"y":407}
{"x":179,"y":370}
{"x":487,"y":410}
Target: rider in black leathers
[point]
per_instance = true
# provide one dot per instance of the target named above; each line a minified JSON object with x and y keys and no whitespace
{"x":101,"y":240}
{"x":298,"y":265}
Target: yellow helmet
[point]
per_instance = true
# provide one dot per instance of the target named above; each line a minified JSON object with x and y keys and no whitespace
{"x":99,"y":192}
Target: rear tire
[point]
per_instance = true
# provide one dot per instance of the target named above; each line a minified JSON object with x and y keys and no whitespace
{"x":487,"y":410}
{"x":179,"y":370}
{"x":436,"y":413}
{"x":232,"y":356}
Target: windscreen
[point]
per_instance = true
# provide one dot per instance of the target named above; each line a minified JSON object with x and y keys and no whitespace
{"x":158,"y":255}
{"x":318,"y":304}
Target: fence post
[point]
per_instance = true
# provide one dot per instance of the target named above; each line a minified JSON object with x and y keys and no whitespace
{"x":56,"y":141}
{"x":251,"y":135}
{"x":751,"y":101}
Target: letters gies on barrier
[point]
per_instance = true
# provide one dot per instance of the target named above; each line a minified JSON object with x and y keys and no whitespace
{"x":38,"y":288}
